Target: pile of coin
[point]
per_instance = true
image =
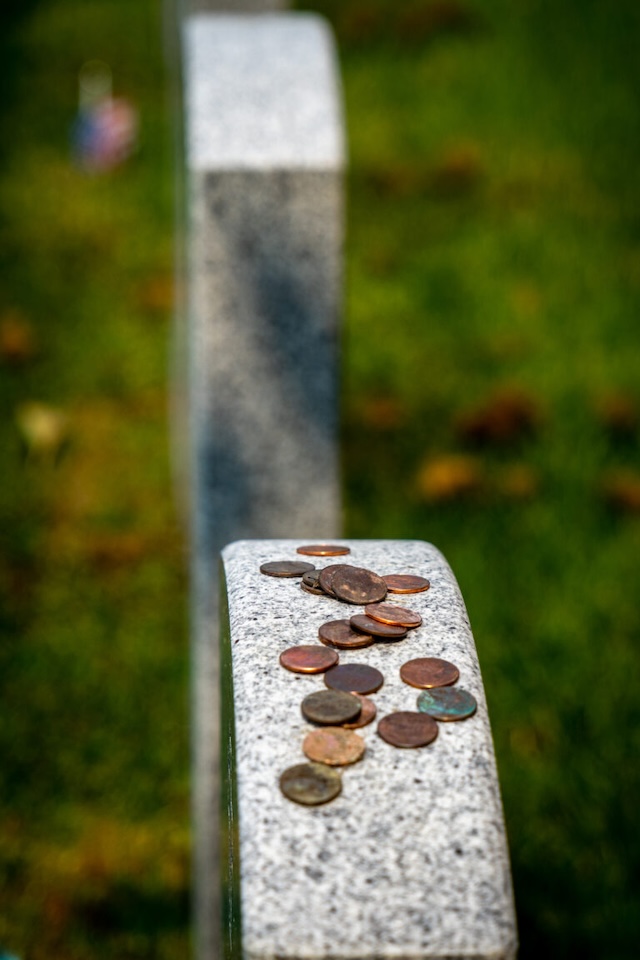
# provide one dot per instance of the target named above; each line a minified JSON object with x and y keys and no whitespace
{"x":344,"y":706}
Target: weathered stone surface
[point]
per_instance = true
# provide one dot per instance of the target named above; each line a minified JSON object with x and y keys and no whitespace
{"x":411,"y":860}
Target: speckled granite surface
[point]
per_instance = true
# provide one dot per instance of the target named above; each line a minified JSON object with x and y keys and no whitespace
{"x":410,"y":861}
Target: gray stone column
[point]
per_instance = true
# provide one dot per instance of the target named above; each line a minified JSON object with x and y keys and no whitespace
{"x":410,"y":861}
{"x":264,"y":248}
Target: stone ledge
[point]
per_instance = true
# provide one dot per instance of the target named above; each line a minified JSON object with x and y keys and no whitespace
{"x":410,"y":862}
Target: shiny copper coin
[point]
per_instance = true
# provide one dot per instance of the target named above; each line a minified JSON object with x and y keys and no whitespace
{"x":308,"y":658}
{"x":334,"y":746}
{"x":446,"y":703}
{"x":310,"y":783}
{"x":429,"y":672}
{"x":338,"y":633}
{"x":389,"y":613}
{"x":354,"y":678}
{"x":357,"y":585}
{"x":330,"y":707}
{"x":324,"y":550}
{"x":326,"y":576}
{"x":407,"y":729}
{"x":381,"y":631}
{"x":367,"y":714}
{"x":405,"y":583}
{"x":286,"y":568}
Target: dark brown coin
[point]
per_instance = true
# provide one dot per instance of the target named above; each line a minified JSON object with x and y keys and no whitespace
{"x":382,"y":631}
{"x":286,"y":568}
{"x":310,"y":783}
{"x":330,"y":707}
{"x":323,"y":550}
{"x":334,"y":746}
{"x":446,"y":703}
{"x":405,"y":583}
{"x":354,"y":678}
{"x":338,"y":633}
{"x":407,"y":729}
{"x":429,"y":672}
{"x":326,"y":576}
{"x":389,"y":613}
{"x":310,"y":582}
{"x":308,"y":658}
{"x":367,"y":714}
{"x":357,"y":585}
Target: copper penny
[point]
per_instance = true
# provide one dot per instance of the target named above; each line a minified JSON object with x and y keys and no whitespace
{"x":405,"y":583}
{"x":330,"y":707}
{"x":357,"y":585}
{"x":428,"y":672}
{"x":367,"y":714}
{"x":310,"y":783}
{"x":407,"y":729}
{"x":382,"y":631}
{"x":308,"y":658}
{"x":338,"y":633}
{"x":354,"y":678}
{"x":389,"y":613}
{"x":286,"y":568}
{"x":446,"y":703}
{"x":323,"y":550}
{"x":310,"y":582}
{"x":334,"y":746}
{"x":326,"y":576}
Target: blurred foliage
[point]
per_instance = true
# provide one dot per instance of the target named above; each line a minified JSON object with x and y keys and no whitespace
{"x":493,"y":278}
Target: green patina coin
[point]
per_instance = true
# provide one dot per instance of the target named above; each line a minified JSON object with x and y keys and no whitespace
{"x":447,"y":703}
{"x":310,"y":783}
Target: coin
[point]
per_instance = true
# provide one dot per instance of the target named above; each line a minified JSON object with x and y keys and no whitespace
{"x":429,"y":672}
{"x":334,"y":746}
{"x":330,"y":707}
{"x":308,"y":658}
{"x":446,"y":703}
{"x":326,"y":576}
{"x":357,"y":585}
{"x":310,"y":582}
{"x":286,"y":568}
{"x":354,"y":678}
{"x":389,"y":613}
{"x":323,"y":550}
{"x":405,"y":583}
{"x":382,"y":631}
{"x":338,"y":633}
{"x":407,"y":729}
{"x":367,"y":714}
{"x":310,"y":783}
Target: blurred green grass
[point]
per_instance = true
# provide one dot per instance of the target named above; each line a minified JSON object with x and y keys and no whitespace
{"x":491,"y":403}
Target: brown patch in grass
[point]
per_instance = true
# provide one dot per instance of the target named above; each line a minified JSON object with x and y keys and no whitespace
{"x":618,"y":414}
{"x":620,"y":489}
{"x":458,"y":172}
{"x":450,"y":477}
{"x":508,"y":416}
{"x":18,"y":344}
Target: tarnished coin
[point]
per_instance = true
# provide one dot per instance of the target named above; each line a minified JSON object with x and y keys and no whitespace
{"x":310,"y":783}
{"x":324,"y":550}
{"x":308,"y":658}
{"x":407,"y":729}
{"x":334,"y":746}
{"x":330,"y":707}
{"x":428,"y":672}
{"x":326,"y":576}
{"x":381,"y":631}
{"x":354,"y":678}
{"x":446,"y":703}
{"x":367,"y":714}
{"x":389,"y":613}
{"x":405,"y":583}
{"x":310,"y":583}
{"x":286,"y":568}
{"x":357,"y":585}
{"x":338,"y":633}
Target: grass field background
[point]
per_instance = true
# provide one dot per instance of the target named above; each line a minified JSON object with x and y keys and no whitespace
{"x":491,"y":404}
